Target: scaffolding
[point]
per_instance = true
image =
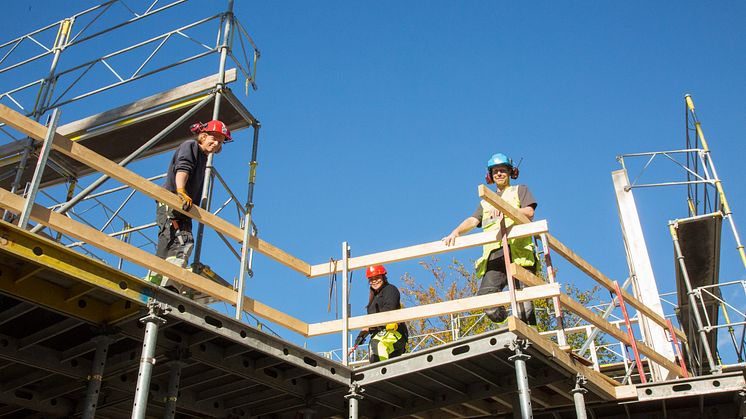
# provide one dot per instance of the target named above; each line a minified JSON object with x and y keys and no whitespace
{"x":702,"y":309}
{"x":79,"y":337}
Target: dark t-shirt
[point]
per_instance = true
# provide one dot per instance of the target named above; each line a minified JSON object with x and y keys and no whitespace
{"x":527,"y":200}
{"x":191,"y":159}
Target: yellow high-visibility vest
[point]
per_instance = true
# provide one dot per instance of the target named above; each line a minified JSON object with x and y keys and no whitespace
{"x":521,"y":250}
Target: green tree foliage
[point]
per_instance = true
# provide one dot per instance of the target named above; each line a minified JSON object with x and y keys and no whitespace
{"x":455,"y":281}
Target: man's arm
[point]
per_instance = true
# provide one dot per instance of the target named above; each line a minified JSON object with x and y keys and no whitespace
{"x":528,"y":212}
{"x":528,"y":202}
{"x":180,"y":180}
{"x":465,"y":226}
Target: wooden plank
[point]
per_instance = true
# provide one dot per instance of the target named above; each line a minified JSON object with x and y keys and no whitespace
{"x":76,"y":151}
{"x":595,"y":383}
{"x":528,"y":278}
{"x":626,"y":392}
{"x":493,"y":199}
{"x":435,"y":309}
{"x":496,"y":201}
{"x":431,"y":248}
{"x":602,"y":279}
{"x":147,"y":260}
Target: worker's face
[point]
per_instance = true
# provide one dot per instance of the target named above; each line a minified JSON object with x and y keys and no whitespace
{"x":211,"y":142}
{"x":376,"y":282}
{"x":501,"y":176}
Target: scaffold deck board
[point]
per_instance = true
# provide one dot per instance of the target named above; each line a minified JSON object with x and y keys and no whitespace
{"x":118,"y":132}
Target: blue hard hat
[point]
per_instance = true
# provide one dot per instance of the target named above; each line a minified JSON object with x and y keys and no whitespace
{"x":499,"y":159}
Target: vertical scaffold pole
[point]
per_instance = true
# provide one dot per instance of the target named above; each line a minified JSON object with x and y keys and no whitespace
{"x":353,"y":399}
{"x":127,"y":160}
{"x":60,"y":42}
{"x":96,"y":376}
{"x":578,"y":396}
{"x":174,"y":377}
{"x":246,"y":251}
{"x":517,"y":311}
{"x":561,"y":337}
{"x":208,"y":183}
{"x":677,"y":348}
{"x":39,"y":170}
{"x":147,"y":361}
{"x":718,"y":185}
{"x":672,"y":226}
{"x":524,"y":392}
{"x":345,"y":301}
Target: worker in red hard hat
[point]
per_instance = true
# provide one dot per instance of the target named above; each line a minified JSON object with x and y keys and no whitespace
{"x":491,"y":266}
{"x":387,"y":341}
{"x":185,"y":177}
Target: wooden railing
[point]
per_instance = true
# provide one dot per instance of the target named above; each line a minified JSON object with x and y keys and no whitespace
{"x":536,"y":287}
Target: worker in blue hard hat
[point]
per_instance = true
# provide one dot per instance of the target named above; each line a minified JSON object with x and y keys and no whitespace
{"x":491,"y":266}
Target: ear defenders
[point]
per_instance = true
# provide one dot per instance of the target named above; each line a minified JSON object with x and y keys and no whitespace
{"x":514,"y":172}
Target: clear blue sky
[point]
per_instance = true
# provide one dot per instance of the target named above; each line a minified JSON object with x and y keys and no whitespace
{"x":378,"y":119}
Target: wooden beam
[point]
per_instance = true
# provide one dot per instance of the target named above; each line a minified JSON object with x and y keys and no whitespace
{"x":437,"y":309}
{"x":528,"y":278}
{"x":493,"y":199}
{"x":596,"y":383}
{"x":602,"y":279}
{"x":97,"y":162}
{"x":626,"y":392}
{"x":496,"y":201}
{"x":147,"y":260}
{"x":431,"y":248}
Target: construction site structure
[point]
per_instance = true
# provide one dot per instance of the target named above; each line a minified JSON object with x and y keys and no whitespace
{"x":81,"y":336}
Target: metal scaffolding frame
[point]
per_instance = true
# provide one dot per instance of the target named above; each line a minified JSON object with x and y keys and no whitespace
{"x":705,"y":196}
{"x":64,"y":86}
{"x":541,"y":368}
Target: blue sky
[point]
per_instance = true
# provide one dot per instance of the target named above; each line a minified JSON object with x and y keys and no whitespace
{"x":378,"y":119}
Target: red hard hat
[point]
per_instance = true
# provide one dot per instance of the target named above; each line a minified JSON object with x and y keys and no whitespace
{"x":375,"y":270}
{"x":213,"y":126}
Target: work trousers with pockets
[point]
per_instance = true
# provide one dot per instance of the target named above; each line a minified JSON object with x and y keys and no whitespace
{"x":385,"y":344}
{"x":175,"y":240}
{"x":495,"y":280}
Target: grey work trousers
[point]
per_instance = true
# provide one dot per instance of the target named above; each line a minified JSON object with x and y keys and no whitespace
{"x":495,"y":280}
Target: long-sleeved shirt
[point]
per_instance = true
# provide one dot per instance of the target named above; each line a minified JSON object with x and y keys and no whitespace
{"x":387,"y":298}
{"x":191,"y":159}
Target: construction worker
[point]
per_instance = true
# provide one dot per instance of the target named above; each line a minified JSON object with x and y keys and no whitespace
{"x":185,"y":177}
{"x":491,"y":266}
{"x":391,"y":340}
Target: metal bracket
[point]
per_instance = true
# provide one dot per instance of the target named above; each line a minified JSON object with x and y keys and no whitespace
{"x":580,"y":382}
{"x":155,"y":310}
{"x":519,"y":346}
{"x":356,"y":392}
